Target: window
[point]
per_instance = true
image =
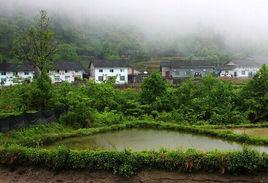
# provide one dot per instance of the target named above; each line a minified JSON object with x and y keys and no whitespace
{"x":58,"y":71}
{"x":3,"y":80}
{"x":243,"y":72}
{"x":122,"y":78}
{"x":100,"y":78}
{"x":57,"y":78}
{"x":100,"y":70}
{"x":66,"y":71}
{"x":111,"y":70}
{"x":26,"y":73}
{"x":15,"y":73}
{"x":3,"y":73}
{"x":177,"y":73}
{"x":121,"y":70}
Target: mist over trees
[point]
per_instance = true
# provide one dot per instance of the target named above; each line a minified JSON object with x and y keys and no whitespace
{"x":89,"y":35}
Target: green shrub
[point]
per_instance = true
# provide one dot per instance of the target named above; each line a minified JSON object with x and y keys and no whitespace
{"x":244,"y":161}
{"x":108,"y":118}
{"x":127,"y":163}
{"x":60,"y":158}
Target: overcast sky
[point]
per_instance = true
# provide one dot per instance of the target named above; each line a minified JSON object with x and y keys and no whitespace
{"x":244,"y":19}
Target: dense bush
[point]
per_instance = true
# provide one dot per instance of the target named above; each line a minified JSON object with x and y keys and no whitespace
{"x":108,"y":118}
{"x":127,"y":163}
{"x":153,"y":87}
{"x":205,"y":99}
{"x":254,"y":96}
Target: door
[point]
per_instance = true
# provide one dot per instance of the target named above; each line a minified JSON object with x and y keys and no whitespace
{"x":167,"y":74}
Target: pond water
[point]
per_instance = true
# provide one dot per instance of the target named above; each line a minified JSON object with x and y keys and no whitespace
{"x":149,"y":139}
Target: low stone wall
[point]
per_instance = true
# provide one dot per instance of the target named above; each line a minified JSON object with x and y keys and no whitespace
{"x":26,"y":120}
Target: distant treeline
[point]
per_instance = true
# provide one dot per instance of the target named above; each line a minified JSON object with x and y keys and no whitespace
{"x":105,"y":41}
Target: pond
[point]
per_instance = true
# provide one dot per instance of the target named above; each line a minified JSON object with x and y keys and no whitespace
{"x":149,"y":139}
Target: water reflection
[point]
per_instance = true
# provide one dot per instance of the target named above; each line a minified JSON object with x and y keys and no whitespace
{"x":149,"y":139}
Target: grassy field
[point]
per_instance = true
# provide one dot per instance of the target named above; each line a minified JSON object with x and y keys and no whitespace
{"x":259,"y":132}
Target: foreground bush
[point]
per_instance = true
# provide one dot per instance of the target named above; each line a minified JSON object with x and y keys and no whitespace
{"x":127,"y":163}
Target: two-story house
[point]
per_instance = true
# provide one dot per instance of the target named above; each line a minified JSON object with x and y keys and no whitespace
{"x":11,"y":74}
{"x":103,"y":70}
{"x":60,"y":71}
{"x":243,"y":68}
{"x":66,"y":71}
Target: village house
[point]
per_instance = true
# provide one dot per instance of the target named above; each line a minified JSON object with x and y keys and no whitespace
{"x":182,"y":69}
{"x":61,"y":71}
{"x":103,"y":70}
{"x":11,"y":74}
{"x":66,"y":71}
{"x":243,"y":68}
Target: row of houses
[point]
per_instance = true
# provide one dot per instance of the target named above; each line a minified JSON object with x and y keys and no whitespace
{"x":241,"y":68}
{"x":11,"y":74}
{"x":102,"y":70}
{"x":70,"y":71}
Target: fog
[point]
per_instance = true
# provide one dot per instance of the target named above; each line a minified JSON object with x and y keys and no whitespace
{"x":243,"y":20}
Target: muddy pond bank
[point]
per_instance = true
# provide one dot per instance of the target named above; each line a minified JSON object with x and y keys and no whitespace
{"x":35,"y":175}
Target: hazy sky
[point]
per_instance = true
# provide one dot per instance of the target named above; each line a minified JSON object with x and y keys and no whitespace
{"x":244,"y":19}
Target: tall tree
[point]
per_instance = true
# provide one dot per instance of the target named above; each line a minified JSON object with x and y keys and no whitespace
{"x":254,"y":96}
{"x":37,"y":45}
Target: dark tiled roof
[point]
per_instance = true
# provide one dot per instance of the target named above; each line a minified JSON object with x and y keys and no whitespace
{"x":187,"y":64}
{"x":67,"y":65}
{"x":57,"y":65}
{"x":256,"y":61}
{"x":7,"y":67}
{"x":108,"y":63}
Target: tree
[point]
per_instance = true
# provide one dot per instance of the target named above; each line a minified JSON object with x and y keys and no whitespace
{"x":37,"y":45}
{"x":254,"y":96}
{"x":152,"y":87}
{"x":66,"y":52}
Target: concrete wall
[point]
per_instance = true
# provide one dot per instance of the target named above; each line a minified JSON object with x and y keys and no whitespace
{"x":27,"y":120}
{"x":182,"y":73}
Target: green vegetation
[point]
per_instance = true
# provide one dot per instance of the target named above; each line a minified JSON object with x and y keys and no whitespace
{"x":23,"y":148}
{"x":189,"y":108}
{"x":196,"y":101}
{"x":196,"y":106}
{"x":254,"y":96}
{"x":128,"y":163}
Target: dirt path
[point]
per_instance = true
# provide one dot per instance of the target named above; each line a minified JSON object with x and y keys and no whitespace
{"x":31,"y":175}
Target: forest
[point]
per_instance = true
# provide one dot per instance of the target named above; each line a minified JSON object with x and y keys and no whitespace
{"x":84,"y":42}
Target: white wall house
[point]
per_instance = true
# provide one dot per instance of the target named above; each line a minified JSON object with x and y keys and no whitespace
{"x":11,"y":74}
{"x":66,"y":71}
{"x":103,"y":70}
{"x":61,"y":71}
{"x":243,"y":68}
